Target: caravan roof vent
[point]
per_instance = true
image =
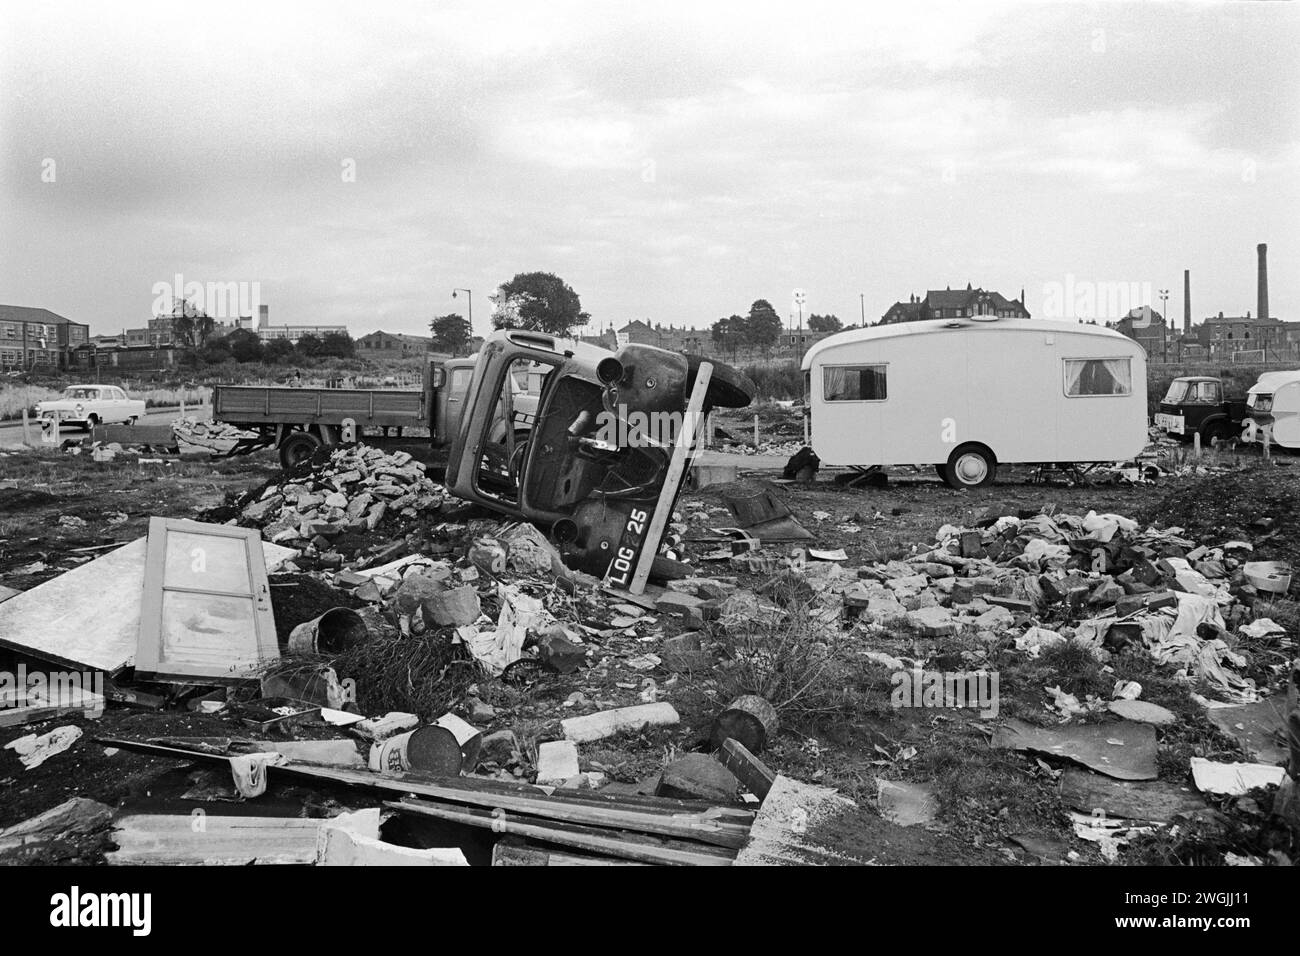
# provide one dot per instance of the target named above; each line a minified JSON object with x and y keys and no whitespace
{"x":954,"y":324}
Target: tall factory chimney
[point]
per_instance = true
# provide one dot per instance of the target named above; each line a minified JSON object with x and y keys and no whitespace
{"x":1262,"y":312}
{"x":1187,"y":301}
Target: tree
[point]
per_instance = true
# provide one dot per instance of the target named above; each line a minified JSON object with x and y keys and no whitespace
{"x":338,"y":345}
{"x":244,"y":345}
{"x":451,"y":333}
{"x":277,"y":350}
{"x":763,"y":325}
{"x":308,"y":346}
{"x":824,"y":323}
{"x":728,"y":333}
{"x":539,"y":301}
{"x":190,"y":324}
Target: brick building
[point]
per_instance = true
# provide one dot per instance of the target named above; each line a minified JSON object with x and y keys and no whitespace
{"x":955,"y":304}
{"x":31,"y":337}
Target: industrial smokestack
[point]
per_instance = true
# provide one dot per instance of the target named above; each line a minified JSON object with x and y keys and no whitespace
{"x":1187,"y":301}
{"x":1262,"y":313}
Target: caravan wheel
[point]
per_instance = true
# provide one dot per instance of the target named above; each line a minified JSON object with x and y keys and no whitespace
{"x":970,"y":466}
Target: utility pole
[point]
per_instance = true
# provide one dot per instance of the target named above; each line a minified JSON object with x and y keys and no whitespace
{"x":470,"y":297}
{"x":862,"y":300}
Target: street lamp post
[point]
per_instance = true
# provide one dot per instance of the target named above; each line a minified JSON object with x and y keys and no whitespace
{"x":1164,"y":332}
{"x":469,"y":295}
{"x":862,"y":300}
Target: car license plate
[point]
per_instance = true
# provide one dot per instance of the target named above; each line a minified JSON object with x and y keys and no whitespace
{"x":623,"y":565}
{"x":1170,"y":423}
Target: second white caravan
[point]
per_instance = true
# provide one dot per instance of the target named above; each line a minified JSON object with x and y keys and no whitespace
{"x":966,"y":395}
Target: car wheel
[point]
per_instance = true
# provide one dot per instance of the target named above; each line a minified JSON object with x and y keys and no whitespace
{"x":296,"y":448}
{"x":728,"y":388}
{"x":92,"y":422}
{"x":131,"y":420}
{"x":970,"y":466}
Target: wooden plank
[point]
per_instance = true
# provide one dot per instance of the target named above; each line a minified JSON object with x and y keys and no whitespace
{"x":70,"y":819}
{"x":631,"y":846}
{"x":512,"y":852}
{"x":673,"y":480}
{"x":749,"y":770}
{"x":14,"y":711}
{"x":208,"y":840}
{"x":718,"y":826}
{"x":785,"y":832}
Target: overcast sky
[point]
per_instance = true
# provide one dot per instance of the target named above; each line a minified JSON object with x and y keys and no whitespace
{"x":671,"y":162}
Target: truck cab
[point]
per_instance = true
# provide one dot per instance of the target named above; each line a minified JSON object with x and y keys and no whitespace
{"x":605,"y":439}
{"x":1195,"y":404}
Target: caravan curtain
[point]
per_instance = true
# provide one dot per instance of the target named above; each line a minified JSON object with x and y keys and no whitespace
{"x":1098,"y":377}
{"x":835,"y":384}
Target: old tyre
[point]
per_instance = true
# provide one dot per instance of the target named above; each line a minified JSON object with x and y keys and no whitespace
{"x":970,"y":466}
{"x":297,"y":448}
{"x":727,"y":389}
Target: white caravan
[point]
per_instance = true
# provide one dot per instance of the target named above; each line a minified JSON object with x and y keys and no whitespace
{"x":1274,"y":403}
{"x":967,"y":394}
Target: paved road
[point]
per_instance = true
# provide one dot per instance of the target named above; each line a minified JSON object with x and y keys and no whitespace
{"x":11,"y":433}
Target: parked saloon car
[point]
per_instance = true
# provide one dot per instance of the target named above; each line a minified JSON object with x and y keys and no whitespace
{"x":91,"y":405}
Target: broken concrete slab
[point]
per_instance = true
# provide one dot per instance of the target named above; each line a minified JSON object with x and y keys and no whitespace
{"x":933,"y":621}
{"x":906,"y":804}
{"x":698,"y":777}
{"x":1259,"y":728}
{"x":1150,"y":801}
{"x":1123,"y":750}
{"x":557,"y":761}
{"x":352,"y":839}
{"x":1142,"y":711}
{"x":609,"y":723}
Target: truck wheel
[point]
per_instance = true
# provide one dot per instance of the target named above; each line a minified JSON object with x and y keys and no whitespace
{"x":970,"y":466}
{"x":297,"y":448}
{"x":728,"y":388}
{"x":1213,"y":434}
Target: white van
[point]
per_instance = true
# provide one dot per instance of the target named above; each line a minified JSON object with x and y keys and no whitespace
{"x":1274,"y":402}
{"x":966,"y":394}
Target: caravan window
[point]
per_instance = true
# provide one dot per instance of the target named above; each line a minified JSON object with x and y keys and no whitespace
{"x":853,"y":383}
{"x":1098,"y":377}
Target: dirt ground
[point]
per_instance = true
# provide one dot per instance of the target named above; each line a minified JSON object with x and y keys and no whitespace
{"x":993,"y":804}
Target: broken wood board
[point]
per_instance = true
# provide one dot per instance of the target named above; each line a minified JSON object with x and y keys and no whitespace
{"x":79,"y":816}
{"x":508,"y":852}
{"x":620,"y":843}
{"x":1152,"y":801}
{"x":1259,"y":728}
{"x":720,"y":826}
{"x":1123,"y":750}
{"x":89,"y":617}
{"x":752,"y":773}
{"x":785,"y":830}
{"x":208,"y":840}
{"x":19,"y":707}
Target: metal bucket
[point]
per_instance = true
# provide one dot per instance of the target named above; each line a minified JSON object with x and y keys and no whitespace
{"x":334,"y":631}
{"x":442,"y":749}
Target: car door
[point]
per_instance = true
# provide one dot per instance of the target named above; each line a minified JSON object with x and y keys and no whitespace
{"x":113,"y":405}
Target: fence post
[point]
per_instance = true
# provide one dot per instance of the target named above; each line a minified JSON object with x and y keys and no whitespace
{"x":1196,"y":444}
{"x":27,"y":435}
{"x":756,"y":432}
